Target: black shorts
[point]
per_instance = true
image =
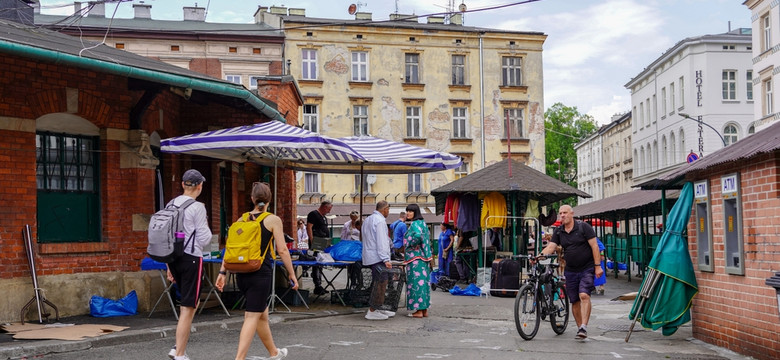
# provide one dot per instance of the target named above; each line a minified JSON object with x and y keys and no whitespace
{"x":186,"y":272}
{"x":579,"y":283}
{"x":256,"y":288}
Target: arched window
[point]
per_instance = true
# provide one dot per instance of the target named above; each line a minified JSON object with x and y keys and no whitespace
{"x":752,"y":129}
{"x":682,"y":142}
{"x":730,"y":134}
{"x":664,"y":152}
{"x":655,"y":155}
{"x":640,"y":163}
{"x":673,"y":155}
{"x":636,"y":166}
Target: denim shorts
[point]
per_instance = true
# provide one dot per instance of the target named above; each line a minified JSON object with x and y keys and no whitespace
{"x":578,"y":283}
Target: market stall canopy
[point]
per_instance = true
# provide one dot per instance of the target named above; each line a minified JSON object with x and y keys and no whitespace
{"x":763,"y":142}
{"x":629,"y":202}
{"x":536,"y":184}
{"x":381,"y":156}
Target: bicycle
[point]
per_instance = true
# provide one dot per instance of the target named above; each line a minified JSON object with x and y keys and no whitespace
{"x":543,"y":294}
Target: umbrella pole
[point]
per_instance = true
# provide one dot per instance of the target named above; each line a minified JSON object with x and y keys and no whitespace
{"x":647,"y":288}
{"x":361,"y":191}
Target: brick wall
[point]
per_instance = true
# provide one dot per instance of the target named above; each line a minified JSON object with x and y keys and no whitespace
{"x":739,"y":312}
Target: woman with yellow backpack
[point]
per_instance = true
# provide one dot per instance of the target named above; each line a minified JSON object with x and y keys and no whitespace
{"x":263,"y":229}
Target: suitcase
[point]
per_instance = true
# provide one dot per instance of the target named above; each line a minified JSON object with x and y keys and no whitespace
{"x":505,"y":275}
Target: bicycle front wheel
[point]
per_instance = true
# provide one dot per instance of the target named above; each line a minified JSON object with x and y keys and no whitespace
{"x":527,"y":315}
{"x":559,"y":314}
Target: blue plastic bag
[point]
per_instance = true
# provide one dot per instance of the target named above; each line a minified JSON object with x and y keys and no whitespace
{"x":347,"y":250}
{"x":471,"y":290}
{"x":102,"y":307}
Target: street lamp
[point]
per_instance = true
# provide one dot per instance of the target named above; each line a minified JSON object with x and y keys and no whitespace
{"x":704,"y":123}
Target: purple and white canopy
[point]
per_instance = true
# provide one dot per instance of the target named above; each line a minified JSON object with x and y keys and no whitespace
{"x":270,"y":143}
{"x":382,"y":156}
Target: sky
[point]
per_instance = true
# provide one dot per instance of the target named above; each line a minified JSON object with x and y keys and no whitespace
{"x":593,"y":48}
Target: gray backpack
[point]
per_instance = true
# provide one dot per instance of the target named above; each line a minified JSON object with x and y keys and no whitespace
{"x":163,"y":244}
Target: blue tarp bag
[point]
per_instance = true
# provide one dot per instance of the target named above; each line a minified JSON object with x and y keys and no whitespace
{"x":102,"y":307}
{"x":471,"y":290}
{"x":346,"y":250}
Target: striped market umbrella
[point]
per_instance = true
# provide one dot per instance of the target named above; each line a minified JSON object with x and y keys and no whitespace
{"x":271,"y":143}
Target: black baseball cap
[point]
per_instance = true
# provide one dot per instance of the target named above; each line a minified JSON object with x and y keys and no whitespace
{"x":192,"y":177}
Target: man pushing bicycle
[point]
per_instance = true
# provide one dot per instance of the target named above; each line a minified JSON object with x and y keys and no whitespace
{"x":583,"y":264}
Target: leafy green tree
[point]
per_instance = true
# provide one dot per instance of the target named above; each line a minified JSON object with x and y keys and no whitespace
{"x":564,"y":127}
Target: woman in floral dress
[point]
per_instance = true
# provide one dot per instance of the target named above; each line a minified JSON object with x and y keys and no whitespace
{"x":417,"y":258}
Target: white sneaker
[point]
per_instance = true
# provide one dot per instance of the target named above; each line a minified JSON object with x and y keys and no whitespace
{"x":387,"y":313}
{"x":375,"y":315}
{"x":172,"y":353}
{"x":280,"y":355}
{"x":183,"y":357}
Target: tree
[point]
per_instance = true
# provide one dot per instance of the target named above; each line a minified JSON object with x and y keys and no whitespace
{"x":564,"y":127}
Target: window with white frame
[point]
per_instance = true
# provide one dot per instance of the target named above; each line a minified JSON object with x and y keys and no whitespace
{"x":511,"y":71}
{"x":459,"y":122}
{"x":413,"y":122}
{"x":253,"y":82}
{"x":649,"y":118}
{"x":664,"y":152}
{"x":412,"y":69}
{"x":311,"y":117}
{"x":663,"y":101}
{"x":360,"y":120}
{"x":458,"y":69}
{"x":766,"y":33}
{"x":682,"y":91}
{"x":311,"y":183}
{"x":729,"y":85}
{"x":366,"y":187}
{"x":768,"y":102}
{"x":730,"y":134}
{"x":236,"y":79}
{"x":641,"y":114}
{"x":673,"y":156}
{"x":414,"y":183}
{"x":655,"y":108}
{"x":514,"y":118}
{"x":359,"y":66}
{"x":633,"y":123}
{"x":671,"y":97}
{"x":462,"y":170}
{"x":682,"y":141}
{"x":309,"y":64}
{"x":749,"y":84}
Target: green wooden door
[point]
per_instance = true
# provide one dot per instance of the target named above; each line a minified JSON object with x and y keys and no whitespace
{"x":68,"y":207}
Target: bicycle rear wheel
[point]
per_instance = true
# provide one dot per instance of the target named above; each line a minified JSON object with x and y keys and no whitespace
{"x":559,"y":315}
{"x":527,"y":315}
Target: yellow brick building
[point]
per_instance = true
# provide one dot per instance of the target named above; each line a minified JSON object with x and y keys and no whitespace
{"x":418,"y":83}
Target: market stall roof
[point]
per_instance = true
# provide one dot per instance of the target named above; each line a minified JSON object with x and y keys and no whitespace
{"x":762,"y":142}
{"x":629,"y":202}
{"x":524,"y":179}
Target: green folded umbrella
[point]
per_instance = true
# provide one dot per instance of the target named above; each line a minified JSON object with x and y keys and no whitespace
{"x":669,"y":287}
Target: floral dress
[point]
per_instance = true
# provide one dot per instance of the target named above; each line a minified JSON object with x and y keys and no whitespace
{"x":417,"y":257}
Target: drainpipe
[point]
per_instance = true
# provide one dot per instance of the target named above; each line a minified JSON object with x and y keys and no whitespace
{"x":481,"y":101}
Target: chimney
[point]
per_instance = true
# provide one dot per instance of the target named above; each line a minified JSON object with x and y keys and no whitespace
{"x":194,"y":13}
{"x":403,"y":17}
{"x":260,"y":14}
{"x":36,"y":7}
{"x":76,"y":7}
{"x":97,"y":8}
{"x":435,"y":19}
{"x":297,"y":12}
{"x":456,"y":19}
{"x":362,"y":16}
{"x":142,"y":11}
{"x":279,"y":10}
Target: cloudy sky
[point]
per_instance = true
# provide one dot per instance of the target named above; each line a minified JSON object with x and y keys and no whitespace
{"x":594,"y":47}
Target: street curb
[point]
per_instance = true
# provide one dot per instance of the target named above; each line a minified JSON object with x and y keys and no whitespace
{"x":46,"y":347}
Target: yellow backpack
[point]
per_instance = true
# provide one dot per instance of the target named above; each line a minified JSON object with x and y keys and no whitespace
{"x":242,"y":247}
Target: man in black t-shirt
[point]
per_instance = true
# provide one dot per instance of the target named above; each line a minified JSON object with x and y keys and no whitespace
{"x":583,"y":264}
{"x":319,"y":234}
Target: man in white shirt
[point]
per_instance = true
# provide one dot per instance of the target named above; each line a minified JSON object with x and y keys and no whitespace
{"x":376,"y":254}
{"x":186,"y":270}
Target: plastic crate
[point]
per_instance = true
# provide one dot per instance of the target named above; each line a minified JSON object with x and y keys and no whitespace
{"x":396,"y":280}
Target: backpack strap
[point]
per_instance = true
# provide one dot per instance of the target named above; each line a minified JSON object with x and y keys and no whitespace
{"x":260,"y":219}
{"x":180,"y":222}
